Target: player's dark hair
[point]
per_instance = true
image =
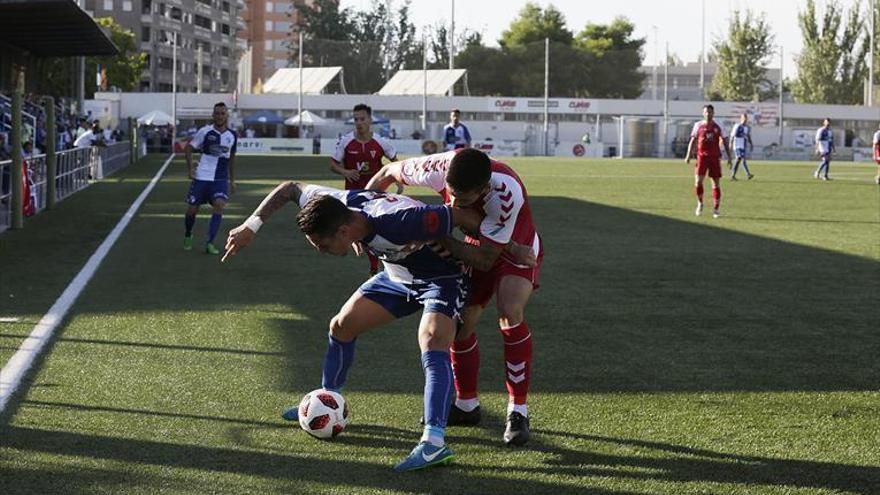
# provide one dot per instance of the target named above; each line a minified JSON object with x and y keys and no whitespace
{"x":469,"y":170}
{"x":221,"y":104}
{"x":456,"y":111}
{"x":322,"y":216}
{"x":709,"y":106}
{"x":827,"y":120}
{"x":364,"y":107}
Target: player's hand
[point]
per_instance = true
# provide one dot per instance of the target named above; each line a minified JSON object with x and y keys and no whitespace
{"x":399,"y":188}
{"x":192,"y":173}
{"x":351,"y":175}
{"x":358,"y":248}
{"x":522,"y":254}
{"x":232,"y":187}
{"x":239,"y":238}
{"x":687,"y":160}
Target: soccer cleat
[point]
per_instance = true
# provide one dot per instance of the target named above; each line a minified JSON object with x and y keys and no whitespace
{"x":716,"y":213}
{"x":187,"y":242}
{"x":751,"y":176}
{"x":291,"y":413}
{"x":733,"y":177}
{"x":460,"y":417}
{"x":211,"y":249}
{"x":826,"y":178}
{"x":425,"y":455}
{"x":517,"y":430}
{"x":699,"y":210}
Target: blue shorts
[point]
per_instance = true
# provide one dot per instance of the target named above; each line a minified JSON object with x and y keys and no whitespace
{"x":446,"y":295}
{"x":740,"y":152}
{"x":206,"y":191}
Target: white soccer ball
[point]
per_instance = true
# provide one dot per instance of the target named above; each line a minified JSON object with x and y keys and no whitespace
{"x":323,"y":414}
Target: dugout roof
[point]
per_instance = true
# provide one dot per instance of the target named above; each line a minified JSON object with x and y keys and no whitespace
{"x":412,"y":82}
{"x":315,"y":79}
{"x":52,"y":28}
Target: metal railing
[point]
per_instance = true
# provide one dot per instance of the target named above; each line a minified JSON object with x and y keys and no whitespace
{"x":76,"y":169}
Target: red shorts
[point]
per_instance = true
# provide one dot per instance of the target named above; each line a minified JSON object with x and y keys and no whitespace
{"x":484,"y":284}
{"x":710,"y":165}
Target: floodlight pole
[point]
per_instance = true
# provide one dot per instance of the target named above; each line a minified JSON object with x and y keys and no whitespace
{"x":81,"y":80}
{"x":546,"y":95}
{"x":871,"y":56}
{"x":425,"y":86}
{"x":452,"y":46}
{"x":781,"y":65}
{"x":299,"y":96}
{"x":703,"y":51}
{"x":173,"y":91}
{"x":654,"y":69}
{"x":199,"y":70}
{"x":665,"y":142}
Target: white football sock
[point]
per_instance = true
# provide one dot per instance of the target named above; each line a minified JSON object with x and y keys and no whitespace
{"x":520,"y":408}
{"x":467,"y":405}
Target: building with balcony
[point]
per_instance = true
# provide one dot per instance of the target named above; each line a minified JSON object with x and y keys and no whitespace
{"x":205,"y":32}
{"x":270,"y":27}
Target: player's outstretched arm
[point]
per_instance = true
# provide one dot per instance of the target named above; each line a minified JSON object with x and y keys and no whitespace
{"x":241,"y":236}
{"x":387,"y":175}
{"x":687,"y":157}
{"x":481,"y":257}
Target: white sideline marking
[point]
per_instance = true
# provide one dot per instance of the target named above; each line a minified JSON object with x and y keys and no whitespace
{"x":18,"y":365}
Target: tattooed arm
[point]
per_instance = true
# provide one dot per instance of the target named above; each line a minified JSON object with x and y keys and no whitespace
{"x":241,"y":236}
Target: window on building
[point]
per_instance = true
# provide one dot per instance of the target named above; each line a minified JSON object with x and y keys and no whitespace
{"x":224,"y":28}
{"x":166,"y":63}
{"x":147,"y":7}
{"x":165,"y":87}
{"x":202,"y":22}
{"x":224,"y":50}
{"x":144,"y":86}
{"x":145,"y":33}
{"x":226,"y":7}
{"x":268,"y":26}
{"x":176,"y":14}
{"x":224,"y":75}
{"x":282,"y":27}
{"x":268,"y":44}
{"x":126,"y":5}
{"x":108,"y":5}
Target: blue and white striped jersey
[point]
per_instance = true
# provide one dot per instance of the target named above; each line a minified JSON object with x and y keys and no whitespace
{"x":740,"y":134}
{"x":401,"y":227}
{"x":216,"y":148}
{"x":825,"y":139}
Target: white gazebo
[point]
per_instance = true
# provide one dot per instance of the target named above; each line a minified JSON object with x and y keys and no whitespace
{"x":306,"y":118}
{"x":156,"y":117}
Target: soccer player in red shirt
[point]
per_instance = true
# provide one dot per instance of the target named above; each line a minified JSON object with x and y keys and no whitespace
{"x":708,"y":136}
{"x":468,"y":178}
{"x":876,"y":142}
{"x":358,"y":157}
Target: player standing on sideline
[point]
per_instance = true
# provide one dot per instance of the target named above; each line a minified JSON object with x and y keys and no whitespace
{"x":455,"y":134}
{"x":707,"y":134}
{"x":358,"y":157}
{"x":214,"y":176}
{"x":469,"y":179}
{"x":741,"y":133}
{"x":876,"y":142}
{"x":824,"y":148}
{"x":395,"y":228}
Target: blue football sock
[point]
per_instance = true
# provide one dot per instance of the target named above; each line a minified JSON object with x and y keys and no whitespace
{"x":188,"y":222}
{"x":337,"y":361}
{"x":214,"y":226}
{"x":438,"y":388}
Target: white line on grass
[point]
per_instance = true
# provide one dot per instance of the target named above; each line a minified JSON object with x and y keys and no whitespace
{"x":21,"y":361}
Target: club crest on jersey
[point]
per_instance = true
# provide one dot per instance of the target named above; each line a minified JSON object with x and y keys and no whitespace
{"x":431,"y":222}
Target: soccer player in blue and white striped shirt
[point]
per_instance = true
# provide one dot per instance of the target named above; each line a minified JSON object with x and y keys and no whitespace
{"x":741,"y":134}
{"x":824,"y":148}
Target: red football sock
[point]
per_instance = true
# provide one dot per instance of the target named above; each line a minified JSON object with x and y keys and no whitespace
{"x":465,"y":355}
{"x":716,"y":196}
{"x":518,"y":361}
{"x":374,"y":263}
{"x":700,"y":193}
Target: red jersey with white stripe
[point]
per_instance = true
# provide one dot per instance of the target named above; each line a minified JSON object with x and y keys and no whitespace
{"x":506,"y":204}
{"x":707,"y":134}
{"x":365,"y":157}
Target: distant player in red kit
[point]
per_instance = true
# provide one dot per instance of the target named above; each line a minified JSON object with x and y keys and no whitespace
{"x":358,"y":157}
{"x":708,"y":136}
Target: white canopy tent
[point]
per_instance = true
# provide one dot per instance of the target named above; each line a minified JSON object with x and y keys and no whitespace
{"x":306,"y":118}
{"x":156,"y":117}
{"x":412,"y":82}
{"x":314,"y":80}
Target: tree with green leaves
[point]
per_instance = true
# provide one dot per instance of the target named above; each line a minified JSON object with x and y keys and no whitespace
{"x":832,"y":65}
{"x":742,"y":60}
{"x":57,"y":75}
{"x":534,"y":24}
{"x":614,"y":57}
